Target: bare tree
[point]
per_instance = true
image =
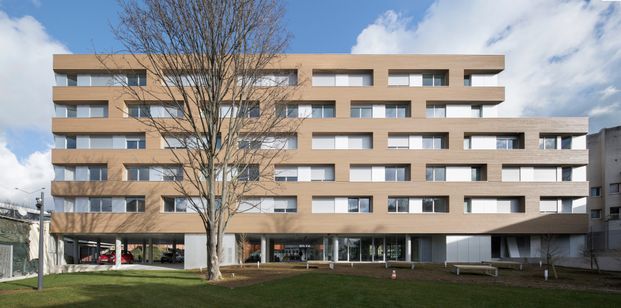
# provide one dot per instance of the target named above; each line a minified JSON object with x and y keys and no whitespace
{"x":550,"y":250}
{"x":215,"y":65}
{"x":242,"y":240}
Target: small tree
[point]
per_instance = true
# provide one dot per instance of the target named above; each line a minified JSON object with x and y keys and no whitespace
{"x":550,"y":250}
{"x":215,"y":66}
{"x":242,"y":240}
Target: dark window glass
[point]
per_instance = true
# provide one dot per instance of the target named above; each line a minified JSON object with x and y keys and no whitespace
{"x":72,"y":111}
{"x":467,"y":81}
{"x":428,"y":80}
{"x":71,"y":142}
{"x":134,"y":204}
{"x":596,"y":191}
{"x":566,"y":174}
{"x":72,"y":80}
{"x":169,"y":204}
{"x":566,"y":143}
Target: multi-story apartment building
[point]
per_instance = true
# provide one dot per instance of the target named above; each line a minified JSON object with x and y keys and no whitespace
{"x":400,"y":157}
{"x":604,"y":175}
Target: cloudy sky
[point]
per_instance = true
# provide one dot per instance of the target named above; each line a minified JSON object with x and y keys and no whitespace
{"x":562,"y":57}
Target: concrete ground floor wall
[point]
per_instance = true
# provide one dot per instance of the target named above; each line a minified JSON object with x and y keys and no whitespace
{"x":252,"y":248}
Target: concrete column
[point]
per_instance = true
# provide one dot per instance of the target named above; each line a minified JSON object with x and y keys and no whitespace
{"x":76,"y":251}
{"x":335,"y":249}
{"x":325,"y":245}
{"x":98,"y":250}
{"x":144,"y":251}
{"x":174,"y":251}
{"x":60,"y":252}
{"x":118,"y":252}
{"x":150,"y":251}
{"x":408,"y":248}
{"x":263,"y":249}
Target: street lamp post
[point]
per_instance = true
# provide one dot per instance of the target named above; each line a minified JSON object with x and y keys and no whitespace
{"x":41,"y":208}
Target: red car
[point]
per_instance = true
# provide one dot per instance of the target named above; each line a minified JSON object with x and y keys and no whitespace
{"x":110,"y":257}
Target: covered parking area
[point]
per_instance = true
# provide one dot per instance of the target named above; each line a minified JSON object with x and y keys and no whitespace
{"x":142,"y":249}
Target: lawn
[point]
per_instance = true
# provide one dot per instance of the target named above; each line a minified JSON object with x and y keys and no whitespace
{"x":186,"y":289}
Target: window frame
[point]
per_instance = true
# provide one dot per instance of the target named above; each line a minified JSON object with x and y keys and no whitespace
{"x":139,"y":204}
{"x":358,"y":205}
{"x":398,"y":207}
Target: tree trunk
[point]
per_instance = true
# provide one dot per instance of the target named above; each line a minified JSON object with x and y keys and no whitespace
{"x":213,"y":262}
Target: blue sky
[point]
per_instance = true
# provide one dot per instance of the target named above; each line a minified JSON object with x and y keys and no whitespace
{"x":561,"y":56}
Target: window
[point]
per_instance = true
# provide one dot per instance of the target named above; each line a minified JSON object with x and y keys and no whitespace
{"x":98,"y":173}
{"x":358,"y":111}
{"x":134,"y":204}
{"x":435,"y":205}
{"x":396,"y":111}
{"x":596,"y":214}
{"x":287,"y":110}
{"x":285,"y":205}
{"x":359,"y":142}
{"x":566,"y":205}
{"x":171,"y":174}
{"x":433,"y":142}
{"x":614,"y":213}
{"x":566,"y":143}
{"x":100,"y":204}
{"x":135,"y":173}
{"x":72,"y":111}
{"x":507,"y":142}
{"x":71,"y":142}
{"x":175,"y":205}
{"x":360,"y":174}
{"x":359,"y":205}
{"x":250,"y":143}
{"x":467,"y":143}
{"x":547,"y":143}
{"x":477,"y":111}
{"x":248,"y":173}
{"x":396,"y":173}
{"x":398,"y":79}
{"x":566,"y":171}
{"x":323,"y":142}
{"x":286,"y":174}
{"x":467,"y":205}
{"x":250,"y":111}
{"x":467,"y":80}
{"x":436,"y":174}
{"x":476,"y":174}
{"x":72,"y":80}
{"x":548,"y":205}
{"x":101,"y":142}
{"x":139,"y":79}
{"x":171,"y":142}
{"x":398,"y":205}
{"x":322,"y":173}
{"x":135,"y":142}
{"x":434,"y":80}
{"x":322,"y":111}
{"x":510,"y":174}
{"x":98,"y":111}
{"x":398,"y":142}
{"x":436,"y":111}
{"x":138,"y":111}
{"x":614,"y":188}
{"x":596,"y":191}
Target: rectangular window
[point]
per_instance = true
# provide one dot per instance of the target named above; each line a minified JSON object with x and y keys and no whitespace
{"x":248,"y":173}
{"x":286,"y":174}
{"x":250,"y":111}
{"x":135,"y":143}
{"x":98,"y":173}
{"x":614,"y":213}
{"x":547,"y":143}
{"x":323,"y":142}
{"x":467,"y":143}
{"x":396,"y":173}
{"x":322,"y":111}
{"x":360,"y":174}
{"x":137,"y":173}
{"x":359,"y":142}
{"x":436,"y":111}
{"x":402,"y":80}
{"x":287,"y":110}
{"x":285,"y":205}
{"x":359,"y":205}
{"x":614,"y":188}
{"x":548,"y":205}
{"x":72,"y":111}
{"x":476,"y":174}
{"x":433,"y":142}
{"x":71,"y":142}
{"x":596,"y":191}
{"x":398,"y":205}
{"x":436,"y":174}
{"x":99,"y":111}
{"x":507,"y":142}
{"x":100,"y":205}
{"x":138,"y":111}
{"x":397,"y":111}
{"x":434,"y":80}
{"x":435,"y":205}
{"x":566,"y":174}
{"x":175,"y":205}
{"x":596,"y":214}
{"x":72,"y":80}
{"x":510,"y":174}
{"x":101,"y":142}
{"x":139,"y":79}
{"x":566,"y":143}
{"x":358,"y":111}
{"x":322,"y":173}
{"x":477,"y":111}
{"x":134,"y":204}
{"x":172,"y":174}
{"x":467,"y":80}
{"x":398,"y":142}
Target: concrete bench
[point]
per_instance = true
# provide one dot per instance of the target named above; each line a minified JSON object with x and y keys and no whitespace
{"x":402,"y":264}
{"x":505,"y":264}
{"x":485,"y":269}
{"x":330,"y":264}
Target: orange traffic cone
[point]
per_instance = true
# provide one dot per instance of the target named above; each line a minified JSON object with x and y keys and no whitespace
{"x":394,"y":275}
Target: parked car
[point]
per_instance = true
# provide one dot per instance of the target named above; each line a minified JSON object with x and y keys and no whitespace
{"x":167,"y":257}
{"x":105,"y":258}
{"x":110,"y":257}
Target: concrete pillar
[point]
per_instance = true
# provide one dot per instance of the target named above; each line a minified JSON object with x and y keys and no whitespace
{"x":174,"y":251}
{"x":150,"y":251}
{"x":60,"y":252}
{"x":408,"y":248}
{"x":98,"y":250}
{"x":118,"y":252}
{"x":144,"y":251}
{"x":335,"y":249}
{"x":325,"y":246}
{"x":263,"y":249}
{"x":76,"y":251}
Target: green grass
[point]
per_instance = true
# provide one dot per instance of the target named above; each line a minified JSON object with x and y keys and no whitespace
{"x":185,"y":289}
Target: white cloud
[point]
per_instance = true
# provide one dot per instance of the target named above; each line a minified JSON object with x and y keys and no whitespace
{"x":30,"y":174}
{"x":27,"y":77}
{"x":603,"y":110}
{"x":559,"y":54}
{"x":608,"y":92}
